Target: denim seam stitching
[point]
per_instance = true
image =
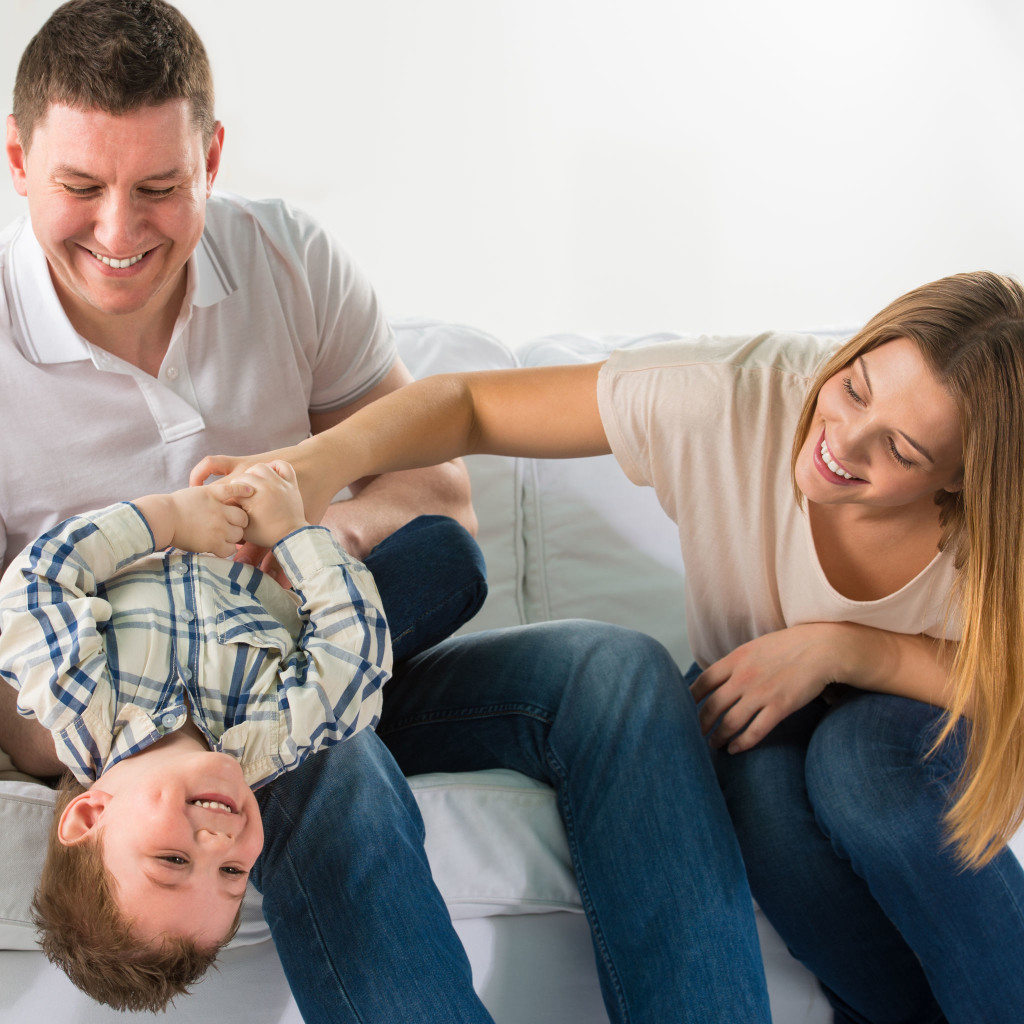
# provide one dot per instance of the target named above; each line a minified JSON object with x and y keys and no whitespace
{"x":465,"y":714}
{"x":597,"y":932}
{"x":311,"y":916}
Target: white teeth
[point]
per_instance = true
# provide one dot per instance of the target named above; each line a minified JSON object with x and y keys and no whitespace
{"x":119,"y":264}
{"x":826,"y":457}
{"x":212,"y":804}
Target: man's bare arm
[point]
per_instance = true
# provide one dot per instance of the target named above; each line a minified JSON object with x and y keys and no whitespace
{"x":28,"y":743}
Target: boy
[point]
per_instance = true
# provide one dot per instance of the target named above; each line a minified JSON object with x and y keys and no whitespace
{"x":173,"y":684}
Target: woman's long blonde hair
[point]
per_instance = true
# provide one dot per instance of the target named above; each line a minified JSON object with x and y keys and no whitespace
{"x":970,"y":331}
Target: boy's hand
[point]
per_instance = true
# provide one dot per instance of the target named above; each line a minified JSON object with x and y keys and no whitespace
{"x":274,"y":504}
{"x":198,"y":518}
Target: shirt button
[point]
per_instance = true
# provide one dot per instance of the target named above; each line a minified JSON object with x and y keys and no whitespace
{"x":167,"y":720}
{"x":181,"y":569}
{"x":172,"y":373}
{"x":186,"y":674}
{"x":187,"y":616}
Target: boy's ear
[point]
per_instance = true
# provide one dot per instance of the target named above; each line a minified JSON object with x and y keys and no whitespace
{"x":81,"y":817}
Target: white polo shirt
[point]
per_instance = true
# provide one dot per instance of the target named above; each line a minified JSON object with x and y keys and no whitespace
{"x":276,"y":322}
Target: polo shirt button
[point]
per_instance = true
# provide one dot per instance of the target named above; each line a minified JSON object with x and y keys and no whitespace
{"x":168,"y":720}
{"x":172,"y":373}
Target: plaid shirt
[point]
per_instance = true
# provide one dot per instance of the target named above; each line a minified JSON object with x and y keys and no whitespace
{"x":112,"y":645}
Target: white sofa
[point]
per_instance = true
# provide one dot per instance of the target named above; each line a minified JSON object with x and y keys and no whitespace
{"x":561,"y":539}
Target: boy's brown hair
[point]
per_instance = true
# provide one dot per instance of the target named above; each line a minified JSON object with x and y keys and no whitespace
{"x":116,"y":56}
{"x":83,"y":931}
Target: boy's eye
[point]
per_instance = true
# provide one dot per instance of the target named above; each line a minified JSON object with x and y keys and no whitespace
{"x":228,"y":870}
{"x":173,"y":858}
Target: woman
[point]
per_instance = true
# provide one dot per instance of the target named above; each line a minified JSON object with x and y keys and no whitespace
{"x":856,"y":610}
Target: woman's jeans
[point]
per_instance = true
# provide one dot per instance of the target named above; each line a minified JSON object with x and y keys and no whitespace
{"x":598,"y":712}
{"x":839,"y":814}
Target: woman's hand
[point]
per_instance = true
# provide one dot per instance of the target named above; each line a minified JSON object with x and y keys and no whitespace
{"x":748,"y":692}
{"x":310,"y":481}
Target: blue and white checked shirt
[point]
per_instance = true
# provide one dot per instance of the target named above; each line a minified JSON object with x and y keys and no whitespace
{"x":111,"y":645}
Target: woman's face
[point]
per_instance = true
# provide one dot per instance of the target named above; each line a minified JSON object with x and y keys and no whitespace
{"x":885,"y":433}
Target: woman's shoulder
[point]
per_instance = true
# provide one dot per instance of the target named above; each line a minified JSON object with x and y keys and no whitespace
{"x":777,"y":351}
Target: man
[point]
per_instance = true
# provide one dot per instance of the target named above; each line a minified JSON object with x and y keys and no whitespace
{"x":149,"y":322}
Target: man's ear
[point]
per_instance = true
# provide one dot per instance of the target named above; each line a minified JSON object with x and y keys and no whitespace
{"x":213,"y":156}
{"x":80,"y":818}
{"x":16,"y":157}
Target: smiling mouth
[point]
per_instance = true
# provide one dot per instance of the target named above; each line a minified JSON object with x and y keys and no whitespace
{"x":834,"y":470}
{"x":129,"y":261}
{"x":826,"y":457}
{"x":218,"y":804}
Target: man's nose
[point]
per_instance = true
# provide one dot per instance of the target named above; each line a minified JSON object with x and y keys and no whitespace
{"x":118,"y":226}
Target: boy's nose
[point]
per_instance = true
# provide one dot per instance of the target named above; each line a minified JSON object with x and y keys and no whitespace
{"x":207,"y":835}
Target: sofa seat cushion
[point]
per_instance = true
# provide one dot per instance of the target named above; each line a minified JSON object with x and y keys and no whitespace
{"x":494,"y":840}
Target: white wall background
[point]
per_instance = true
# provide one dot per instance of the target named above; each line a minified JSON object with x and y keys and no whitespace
{"x":530,"y":166}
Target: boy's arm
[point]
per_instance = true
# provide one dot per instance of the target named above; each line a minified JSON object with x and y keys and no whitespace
{"x":52,"y":637}
{"x":330,"y":685}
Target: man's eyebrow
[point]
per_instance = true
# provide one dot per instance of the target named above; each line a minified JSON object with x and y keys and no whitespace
{"x":906,"y":437}
{"x":71,"y":171}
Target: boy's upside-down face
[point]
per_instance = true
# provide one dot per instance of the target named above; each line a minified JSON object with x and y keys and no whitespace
{"x":180,"y":830}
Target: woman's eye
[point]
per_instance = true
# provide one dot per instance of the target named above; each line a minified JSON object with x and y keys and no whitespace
{"x":848,"y":387}
{"x":905,"y":463}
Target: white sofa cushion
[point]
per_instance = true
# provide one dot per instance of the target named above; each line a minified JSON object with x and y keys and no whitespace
{"x":428,"y":347}
{"x":494,"y":840}
{"x":597,"y":546}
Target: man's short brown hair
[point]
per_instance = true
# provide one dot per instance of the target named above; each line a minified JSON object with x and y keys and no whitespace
{"x":116,"y":56}
{"x":83,"y":932}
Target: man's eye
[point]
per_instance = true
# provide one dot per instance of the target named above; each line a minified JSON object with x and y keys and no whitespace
{"x":86,"y":190}
{"x":156,"y":193}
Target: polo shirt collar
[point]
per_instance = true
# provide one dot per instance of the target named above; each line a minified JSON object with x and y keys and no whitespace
{"x":48,"y":334}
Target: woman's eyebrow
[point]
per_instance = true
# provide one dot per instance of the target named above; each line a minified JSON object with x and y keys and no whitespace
{"x":906,"y":437}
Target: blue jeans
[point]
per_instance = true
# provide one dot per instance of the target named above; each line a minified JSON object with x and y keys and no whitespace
{"x":599,"y":713}
{"x":839,"y":815}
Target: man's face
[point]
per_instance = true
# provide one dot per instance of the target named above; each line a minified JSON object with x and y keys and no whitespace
{"x":118,"y":205}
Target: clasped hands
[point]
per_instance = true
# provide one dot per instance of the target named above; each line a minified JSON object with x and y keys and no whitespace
{"x":253,"y":545}
{"x":254,"y":507}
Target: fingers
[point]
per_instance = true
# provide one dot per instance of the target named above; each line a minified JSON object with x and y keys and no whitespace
{"x":212,"y":465}
{"x":285,"y":470}
{"x":231,"y":490}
